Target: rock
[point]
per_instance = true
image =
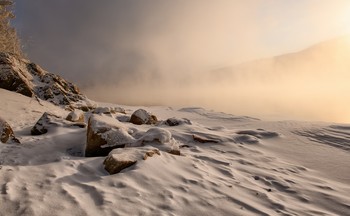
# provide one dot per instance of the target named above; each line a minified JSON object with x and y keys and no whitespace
{"x":119,"y":110}
{"x":102,"y":110}
{"x":203,"y":139}
{"x":141,"y":116}
{"x":176,"y":121}
{"x":85,"y":108}
{"x":44,"y":123}
{"x":159,"y":135}
{"x":248,"y":139}
{"x":159,"y":138}
{"x":259,"y":133}
{"x":29,"y":79}
{"x":119,"y":159}
{"x":76,"y":116}
{"x":6,"y":133}
{"x":150,"y":153}
{"x":105,"y":134}
{"x":109,"y":110}
{"x":174,"y":152}
{"x":123,"y":118}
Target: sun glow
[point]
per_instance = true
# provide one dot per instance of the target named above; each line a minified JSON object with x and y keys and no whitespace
{"x":344,"y":17}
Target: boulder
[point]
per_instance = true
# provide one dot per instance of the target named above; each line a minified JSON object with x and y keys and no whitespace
{"x":119,"y":110}
{"x":102,"y":110}
{"x":245,"y":138}
{"x":76,"y":116}
{"x":105,"y":134}
{"x":175,"y":122}
{"x":158,"y":135}
{"x":43,"y":125}
{"x":6,"y":133}
{"x":119,"y":159}
{"x":161,"y":139}
{"x":141,"y":116}
{"x":109,"y":110}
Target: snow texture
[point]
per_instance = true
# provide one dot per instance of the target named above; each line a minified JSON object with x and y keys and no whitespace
{"x":293,"y":168}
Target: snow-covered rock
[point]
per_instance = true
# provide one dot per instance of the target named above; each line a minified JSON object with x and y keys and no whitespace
{"x":29,"y":79}
{"x":141,"y":116}
{"x":105,"y":134}
{"x":109,"y":110}
{"x":119,"y":159}
{"x":76,"y":116}
{"x":6,"y":133}
{"x":176,"y":121}
{"x":159,"y":135}
{"x":44,"y":123}
{"x":102,"y":110}
{"x":160,"y":138}
{"x":202,"y":139}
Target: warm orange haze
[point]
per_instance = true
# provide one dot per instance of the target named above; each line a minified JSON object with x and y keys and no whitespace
{"x":175,"y":107}
{"x":268,"y":59}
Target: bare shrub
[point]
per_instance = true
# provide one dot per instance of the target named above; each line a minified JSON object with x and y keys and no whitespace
{"x":9,"y":41}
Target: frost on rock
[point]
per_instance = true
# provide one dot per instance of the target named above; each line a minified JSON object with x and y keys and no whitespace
{"x":176,"y":122}
{"x":109,"y":110}
{"x":102,"y":110}
{"x":43,"y":125}
{"x":141,"y":116}
{"x":75,"y":116}
{"x":29,"y":79}
{"x":161,"y":138}
{"x":119,"y":159}
{"x":157,"y":134}
{"x":105,"y":134}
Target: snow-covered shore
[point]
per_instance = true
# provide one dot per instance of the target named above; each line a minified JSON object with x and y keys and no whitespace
{"x":256,"y":168}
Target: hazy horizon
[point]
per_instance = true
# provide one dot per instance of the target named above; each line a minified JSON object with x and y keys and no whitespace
{"x":171,"y":53}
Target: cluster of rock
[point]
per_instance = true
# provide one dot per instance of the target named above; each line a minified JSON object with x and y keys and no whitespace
{"x":124,"y":144}
{"x":29,"y":79}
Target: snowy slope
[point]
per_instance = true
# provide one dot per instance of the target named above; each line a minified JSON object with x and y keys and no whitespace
{"x":256,"y":168}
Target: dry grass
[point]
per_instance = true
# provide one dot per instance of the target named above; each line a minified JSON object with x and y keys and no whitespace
{"x":9,"y":41}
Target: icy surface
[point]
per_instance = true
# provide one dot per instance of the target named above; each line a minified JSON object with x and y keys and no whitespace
{"x":256,"y":168}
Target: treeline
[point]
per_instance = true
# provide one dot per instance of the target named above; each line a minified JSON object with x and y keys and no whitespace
{"x":9,"y":41}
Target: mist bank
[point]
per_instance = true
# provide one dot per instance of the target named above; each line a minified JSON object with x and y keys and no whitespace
{"x":308,"y":85}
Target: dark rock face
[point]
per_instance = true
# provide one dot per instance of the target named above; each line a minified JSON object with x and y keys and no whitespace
{"x":175,"y":122}
{"x":6,"y":133}
{"x":100,"y":136}
{"x":29,"y":79}
{"x":141,"y":116}
{"x":113,"y":165}
{"x":119,"y":159}
{"x":43,"y":124}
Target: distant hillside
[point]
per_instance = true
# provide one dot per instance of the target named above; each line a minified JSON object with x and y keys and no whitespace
{"x":326,"y":57}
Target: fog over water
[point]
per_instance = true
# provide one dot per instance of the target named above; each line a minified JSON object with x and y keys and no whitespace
{"x":213,"y":54}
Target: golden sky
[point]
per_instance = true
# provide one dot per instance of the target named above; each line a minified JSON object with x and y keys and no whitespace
{"x":144,"y":48}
